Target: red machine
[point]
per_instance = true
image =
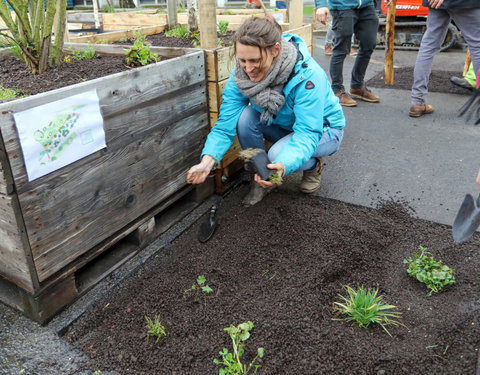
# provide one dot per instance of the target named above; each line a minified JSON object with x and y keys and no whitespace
{"x":410,"y":25}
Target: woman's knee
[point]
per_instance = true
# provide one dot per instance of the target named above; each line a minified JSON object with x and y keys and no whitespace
{"x":247,"y":121}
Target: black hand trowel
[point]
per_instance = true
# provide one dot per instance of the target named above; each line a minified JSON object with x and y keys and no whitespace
{"x":208,"y":226}
{"x":467,"y":220}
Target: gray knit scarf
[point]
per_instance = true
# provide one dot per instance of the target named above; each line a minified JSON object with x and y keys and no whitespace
{"x":267,"y":94}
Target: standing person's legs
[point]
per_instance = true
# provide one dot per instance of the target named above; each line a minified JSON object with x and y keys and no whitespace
{"x":467,"y":20}
{"x":366,"y":27}
{"x":342,"y":26}
{"x":437,"y":23}
{"x":329,"y":41}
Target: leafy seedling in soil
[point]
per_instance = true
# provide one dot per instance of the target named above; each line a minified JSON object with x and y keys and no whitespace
{"x":365,"y":307}
{"x":199,"y":290}
{"x":222,"y":27}
{"x":256,"y":161}
{"x":232,"y":361}
{"x":139,"y":54}
{"x":427,"y":270}
{"x":155,"y":328}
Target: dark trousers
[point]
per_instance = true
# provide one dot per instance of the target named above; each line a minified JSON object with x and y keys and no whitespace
{"x":364,"y":23}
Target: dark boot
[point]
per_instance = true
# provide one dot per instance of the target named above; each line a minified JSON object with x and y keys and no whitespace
{"x":255,"y":194}
{"x":312,"y":179}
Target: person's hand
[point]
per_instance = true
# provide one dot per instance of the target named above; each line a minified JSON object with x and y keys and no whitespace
{"x":478,"y":178}
{"x":435,"y":3}
{"x":280,"y":170}
{"x":322,"y":15}
{"x":198,"y":173}
{"x":387,"y":3}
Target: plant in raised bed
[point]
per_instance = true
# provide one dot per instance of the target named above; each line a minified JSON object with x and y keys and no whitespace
{"x":155,"y":328}
{"x":222,"y":27}
{"x":427,"y":270}
{"x":87,"y":53}
{"x":232,"y":361}
{"x":365,"y":307}
{"x":139,"y":54}
{"x":179,"y":31}
{"x":6,"y":93}
{"x":32,"y":30}
{"x":199,"y":290}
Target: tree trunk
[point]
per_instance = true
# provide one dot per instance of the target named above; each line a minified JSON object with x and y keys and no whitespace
{"x":192,"y":15}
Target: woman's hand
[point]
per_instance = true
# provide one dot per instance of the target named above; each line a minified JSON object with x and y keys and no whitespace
{"x":478,"y":178}
{"x":322,"y":15}
{"x":198,"y":173}
{"x":280,"y":170}
{"x":435,"y":3}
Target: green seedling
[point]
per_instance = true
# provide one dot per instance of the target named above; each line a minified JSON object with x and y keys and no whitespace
{"x":199,"y":290}
{"x":88,"y":53}
{"x":232,"y":361}
{"x":366,"y":307}
{"x":222,"y":27}
{"x":155,"y":328}
{"x":275,"y":179}
{"x":108,"y":9}
{"x":179,"y":31}
{"x":427,"y":270}
{"x":6,"y":93}
{"x":139,"y":54}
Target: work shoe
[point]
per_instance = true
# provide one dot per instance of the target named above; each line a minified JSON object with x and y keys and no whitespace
{"x":328,"y":49}
{"x":345,"y":99}
{"x":461,"y":82}
{"x":420,"y":110}
{"x":312,"y":179}
{"x":364,"y":94}
{"x":255,"y":194}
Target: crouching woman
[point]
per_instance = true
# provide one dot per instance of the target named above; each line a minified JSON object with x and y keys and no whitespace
{"x":279,"y":93}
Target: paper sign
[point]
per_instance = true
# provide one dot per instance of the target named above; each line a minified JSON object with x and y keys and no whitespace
{"x":59,"y":133}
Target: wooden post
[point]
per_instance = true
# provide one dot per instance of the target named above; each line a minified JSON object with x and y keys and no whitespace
{"x":95,"y":14}
{"x":172,"y":13}
{"x":208,"y":24}
{"x":468,"y":61}
{"x":295,"y":15}
{"x":390,"y":42}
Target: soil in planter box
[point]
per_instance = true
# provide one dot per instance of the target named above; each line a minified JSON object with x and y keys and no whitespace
{"x":162,"y":40}
{"x":15,"y":75}
{"x":281,"y":264}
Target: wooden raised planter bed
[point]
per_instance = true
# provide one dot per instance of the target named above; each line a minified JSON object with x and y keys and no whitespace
{"x":55,"y":227}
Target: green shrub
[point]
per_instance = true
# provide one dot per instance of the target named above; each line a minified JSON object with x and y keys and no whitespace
{"x":427,"y":270}
{"x":139,"y":54}
{"x":179,"y":31}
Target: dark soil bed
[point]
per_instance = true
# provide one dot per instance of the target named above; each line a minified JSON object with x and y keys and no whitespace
{"x":282,"y":264}
{"x":403,"y":80}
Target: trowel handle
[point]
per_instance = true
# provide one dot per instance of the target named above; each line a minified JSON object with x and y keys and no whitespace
{"x":213,"y":211}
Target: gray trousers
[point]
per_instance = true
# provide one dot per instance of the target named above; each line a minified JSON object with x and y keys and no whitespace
{"x":467,"y":20}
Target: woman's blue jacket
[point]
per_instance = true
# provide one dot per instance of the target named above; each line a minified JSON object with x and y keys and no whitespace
{"x":310,"y":109}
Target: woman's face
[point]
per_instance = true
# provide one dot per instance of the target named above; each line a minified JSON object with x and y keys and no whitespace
{"x":253,"y":62}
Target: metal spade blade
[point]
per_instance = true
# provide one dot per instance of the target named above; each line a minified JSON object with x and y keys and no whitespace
{"x":467,"y":220}
{"x":208,"y":226}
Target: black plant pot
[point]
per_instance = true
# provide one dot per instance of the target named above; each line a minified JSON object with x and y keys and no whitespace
{"x":258,"y":164}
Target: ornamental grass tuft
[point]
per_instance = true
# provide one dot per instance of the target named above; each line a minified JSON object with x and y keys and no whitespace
{"x":365,"y":307}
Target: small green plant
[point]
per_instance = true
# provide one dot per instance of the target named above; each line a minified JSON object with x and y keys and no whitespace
{"x":6,"y":93}
{"x":427,"y":270}
{"x":139,"y":54}
{"x":232,"y":361}
{"x":275,"y":179}
{"x":108,"y":9}
{"x":179,"y":31}
{"x":365,"y":307}
{"x":222,"y":26}
{"x":199,"y":290}
{"x":155,"y":328}
{"x":124,"y":39}
{"x":13,"y":47}
{"x":88,"y":53}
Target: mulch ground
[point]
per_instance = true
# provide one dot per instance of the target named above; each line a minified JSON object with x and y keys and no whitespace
{"x":403,"y":80}
{"x":281,"y":264}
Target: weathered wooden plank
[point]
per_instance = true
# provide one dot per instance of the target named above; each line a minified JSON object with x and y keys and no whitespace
{"x":120,"y":21}
{"x":15,"y":265}
{"x":113,"y":192}
{"x":114,"y":36}
{"x":219,"y":63}
{"x":305,"y":32}
{"x":86,"y":18}
{"x":239,"y":18}
{"x":215,"y":91}
{"x":6,"y":179}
